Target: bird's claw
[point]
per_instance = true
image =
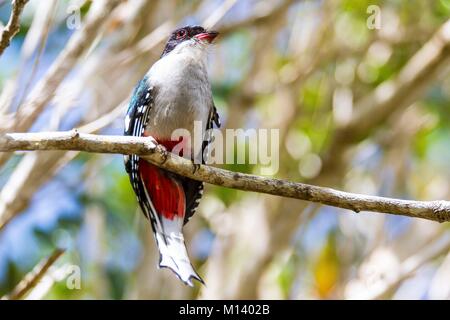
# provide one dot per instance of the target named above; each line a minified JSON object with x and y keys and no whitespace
{"x":195,"y":166}
{"x":164,"y":153}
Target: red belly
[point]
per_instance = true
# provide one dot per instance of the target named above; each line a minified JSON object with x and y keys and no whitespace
{"x":166,"y":193}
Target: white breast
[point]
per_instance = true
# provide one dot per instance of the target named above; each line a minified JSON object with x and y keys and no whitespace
{"x":182,"y":92}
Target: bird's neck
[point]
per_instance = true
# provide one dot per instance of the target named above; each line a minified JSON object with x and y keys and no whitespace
{"x":191,"y":61}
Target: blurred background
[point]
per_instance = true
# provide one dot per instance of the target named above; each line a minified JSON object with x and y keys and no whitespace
{"x":359,"y":90}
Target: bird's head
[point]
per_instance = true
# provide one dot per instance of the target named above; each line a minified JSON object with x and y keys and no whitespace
{"x":189,"y":37}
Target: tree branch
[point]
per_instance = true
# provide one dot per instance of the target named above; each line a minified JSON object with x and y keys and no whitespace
{"x":32,"y":278}
{"x":414,"y":78}
{"x":13,"y":25}
{"x":155,"y":154}
{"x":393,"y":95}
{"x":262,"y":14}
{"x":45,"y":89}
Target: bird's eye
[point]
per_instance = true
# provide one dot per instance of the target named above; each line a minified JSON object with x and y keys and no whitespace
{"x":181,"y":34}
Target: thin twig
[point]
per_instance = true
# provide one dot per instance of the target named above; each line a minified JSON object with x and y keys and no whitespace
{"x":218,"y":14}
{"x":32,"y":278}
{"x":155,"y":154}
{"x":13,"y":26}
{"x":42,"y":44}
{"x":393,"y":95}
{"x":410,"y":266}
{"x":78,"y":44}
{"x":262,"y":14}
{"x":45,"y":89}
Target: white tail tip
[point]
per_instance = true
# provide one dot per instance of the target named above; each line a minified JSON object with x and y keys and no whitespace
{"x":173,"y":255}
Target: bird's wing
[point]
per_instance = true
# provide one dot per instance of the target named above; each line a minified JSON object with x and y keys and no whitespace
{"x":135,"y":122}
{"x":194,"y":189}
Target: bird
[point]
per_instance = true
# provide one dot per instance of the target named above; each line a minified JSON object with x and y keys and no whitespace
{"x":174,"y":93}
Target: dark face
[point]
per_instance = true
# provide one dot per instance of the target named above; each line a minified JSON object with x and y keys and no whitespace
{"x":187,"y":33}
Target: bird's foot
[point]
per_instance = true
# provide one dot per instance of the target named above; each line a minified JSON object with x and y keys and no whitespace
{"x":195,"y":166}
{"x":163,"y":151}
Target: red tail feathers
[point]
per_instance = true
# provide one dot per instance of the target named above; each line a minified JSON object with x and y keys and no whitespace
{"x":167,"y":194}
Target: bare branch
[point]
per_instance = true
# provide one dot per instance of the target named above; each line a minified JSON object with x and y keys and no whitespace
{"x":410,"y":266}
{"x":44,"y":90}
{"x":385,"y":281}
{"x":155,"y":154}
{"x":13,"y":25}
{"x":262,"y":14}
{"x":218,"y":14}
{"x":77,"y":45}
{"x":32,"y":278}
{"x":409,"y":85}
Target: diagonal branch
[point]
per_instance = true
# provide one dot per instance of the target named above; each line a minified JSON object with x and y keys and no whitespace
{"x":13,"y":25}
{"x":410,"y":266}
{"x":263,"y":12}
{"x":78,"y":44}
{"x":32,"y":278}
{"x":426,"y":66}
{"x":44,"y":90}
{"x":413,"y":80}
{"x":155,"y":154}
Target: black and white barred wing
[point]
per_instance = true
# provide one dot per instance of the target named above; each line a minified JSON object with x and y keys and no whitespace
{"x":135,"y":122}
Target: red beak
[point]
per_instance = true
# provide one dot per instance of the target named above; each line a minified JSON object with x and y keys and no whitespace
{"x":207,"y":36}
